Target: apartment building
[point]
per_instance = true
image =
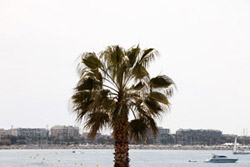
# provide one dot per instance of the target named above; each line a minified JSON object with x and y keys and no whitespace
{"x":31,"y":132}
{"x":64,"y":131}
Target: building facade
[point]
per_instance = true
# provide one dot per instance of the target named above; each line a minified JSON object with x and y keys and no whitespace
{"x":163,"y":130}
{"x":64,"y":131}
{"x":199,"y":132}
{"x":28,"y":132}
{"x":9,"y":132}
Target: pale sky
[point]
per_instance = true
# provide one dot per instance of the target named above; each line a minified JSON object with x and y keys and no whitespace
{"x":204,"y":47}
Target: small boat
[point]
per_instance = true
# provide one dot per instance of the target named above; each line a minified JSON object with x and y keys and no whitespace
{"x":80,"y":152}
{"x":221,"y":159}
{"x":239,"y":152}
{"x":242,"y":152}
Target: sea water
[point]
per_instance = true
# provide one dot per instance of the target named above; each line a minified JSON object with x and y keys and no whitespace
{"x":104,"y":158}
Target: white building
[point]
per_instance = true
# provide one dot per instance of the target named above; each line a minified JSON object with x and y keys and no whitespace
{"x":27,"y":132}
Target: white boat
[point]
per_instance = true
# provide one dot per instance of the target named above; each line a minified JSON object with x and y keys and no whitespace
{"x":221,"y":159}
{"x":239,"y":152}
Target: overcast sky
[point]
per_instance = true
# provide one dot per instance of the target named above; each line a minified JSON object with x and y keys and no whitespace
{"x":204,"y":47}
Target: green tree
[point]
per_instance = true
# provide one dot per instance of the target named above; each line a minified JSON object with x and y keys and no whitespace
{"x":114,"y":86}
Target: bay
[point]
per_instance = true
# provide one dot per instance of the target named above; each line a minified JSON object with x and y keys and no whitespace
{"x":104,"y":158}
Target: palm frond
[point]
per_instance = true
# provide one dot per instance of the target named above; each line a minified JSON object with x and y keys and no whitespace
{"x":138,"y":86}
{"x":148,"y":56}
{"x":170,"y":91}
{"x":82,"y":109}
{"x":151,"y":124}
{"x":91,"y":61}
{"x":108,"y":104}
{"x":133,"y":54}
{"x":137,"y":129}
{"x":159,"y":97}
{"x":81,"y":96}
{"x":139,"y":71}
{"x":95,"y":122}
{"x":161,"y":81}
{"x":154,"y":108}
{"x":87,"y":83}
{"x":94,"y":74}
{"x":113,"y":55}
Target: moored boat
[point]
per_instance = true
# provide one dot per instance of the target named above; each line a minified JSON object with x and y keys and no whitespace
{"x":221,"y":159}
{"x":235,"y":151}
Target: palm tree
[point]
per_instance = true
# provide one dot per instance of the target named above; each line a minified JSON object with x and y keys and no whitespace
{"x":116,"y":91}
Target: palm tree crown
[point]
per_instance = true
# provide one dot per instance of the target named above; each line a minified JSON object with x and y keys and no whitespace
{"x":116,"y":91}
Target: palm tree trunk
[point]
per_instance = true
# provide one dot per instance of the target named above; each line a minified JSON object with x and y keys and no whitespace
{"x":121,"y":144}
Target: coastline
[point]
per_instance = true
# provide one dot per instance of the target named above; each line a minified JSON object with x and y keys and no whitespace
{"x":145,"y":147}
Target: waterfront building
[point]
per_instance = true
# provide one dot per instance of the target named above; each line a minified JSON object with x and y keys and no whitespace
{"x":32,"y":132}
{"x":163,"y":131}
{"x":9,"y":132}
{"x":25,"y":132}
{"x":198,"y":137}
{"x":200,"y":132}
{"x":64,"y":131}
{"x":162,"y":135}
{"x":1,"y":132}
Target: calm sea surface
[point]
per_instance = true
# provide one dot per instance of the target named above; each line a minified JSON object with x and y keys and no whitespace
{"x":104,"y":158}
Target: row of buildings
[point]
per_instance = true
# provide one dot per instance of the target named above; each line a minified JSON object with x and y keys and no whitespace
{"x":62,"y":135}
{"x":70,"y":134}
{"x":55,"y":131}
{"x":73,"y":131}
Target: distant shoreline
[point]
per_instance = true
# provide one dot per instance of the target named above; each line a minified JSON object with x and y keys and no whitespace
{"x":145,"y":147}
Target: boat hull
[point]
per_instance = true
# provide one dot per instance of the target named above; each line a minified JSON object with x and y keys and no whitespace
{"x":221,"y":160}
{"x":241,"y":153}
